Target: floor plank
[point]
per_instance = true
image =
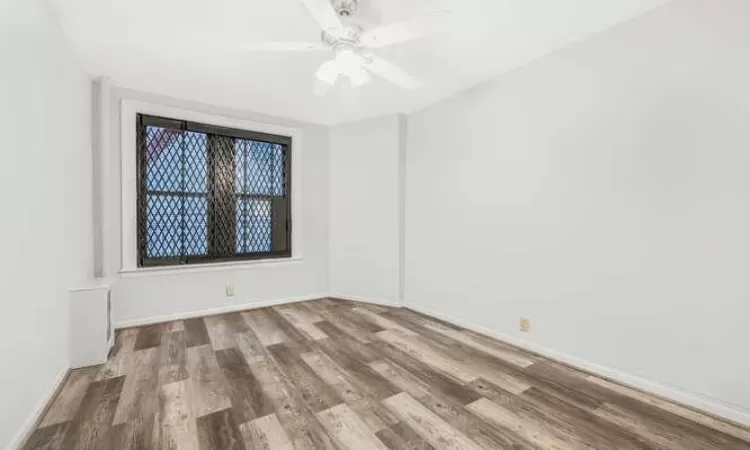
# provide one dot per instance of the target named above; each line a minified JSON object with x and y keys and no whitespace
{"x":425,"y":354}
{"x":703,"y":419}
{"x":429,"y":426}
{"x":120,"y":359}
{"x":302,"y":322}
{"x":136,"y":434}
{"x":381,"y":321}
{"x":666,"y":431}
{"x":351,"y":323}
{"x":265,"y":433}
{"x":138,"y":398}
{"x":295,"y":339}
{"x":47,"y":438}
{"x":208,"y":386}
{"x":575,"y":424}
{"x":341,"y":343}
{"x":220,"y":331}
{"x":354,"y":394}
{"x":315,"y":393}
{"x":248,"y":399}
{"x":218,"y":431}
{"x":498,"y":351}
{"x":297,"y":419}
{"x":66,"y":404}
{"x":401,"y":378}
{"x":148,"y":337}
{"x":330,"y":374}
{"x":178,"y":428}
{"x":265,"y":329}
{"x":196,"y":332}
{"x":91,"y":428}
{"x":447,"y":401}
{"x":477,"y":362}
{"x":657,"y":436}
{"x":173,"y":357}
{"x":401,"y":437}
{"x":348,"y":429}
{"x":252,"y":349}
{"x":177,"y":325}
{"x":527,"y":430}
{"x":437,"y":382}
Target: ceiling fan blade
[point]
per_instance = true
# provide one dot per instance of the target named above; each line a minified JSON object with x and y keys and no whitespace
{"x":286,"y":46}
{"x":391,"y":72}
{"x":408,"y":30}
{"x":323,"y":13}
{"x":369,"y":13}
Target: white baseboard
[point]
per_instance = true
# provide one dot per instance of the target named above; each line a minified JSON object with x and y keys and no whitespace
{"x":212,"y":311}
{"x":677,"y":395}
{"x":23,"y":433}
{"x":355,"y":298}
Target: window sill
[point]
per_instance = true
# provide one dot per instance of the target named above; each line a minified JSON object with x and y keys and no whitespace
{"x":203,"y":268}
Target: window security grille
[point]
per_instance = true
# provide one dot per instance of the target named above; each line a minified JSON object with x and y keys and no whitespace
{"x":210,"y":194}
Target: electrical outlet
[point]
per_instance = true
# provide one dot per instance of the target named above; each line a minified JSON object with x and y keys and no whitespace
{"x":525,"y":324}
{"x":229,"y":290}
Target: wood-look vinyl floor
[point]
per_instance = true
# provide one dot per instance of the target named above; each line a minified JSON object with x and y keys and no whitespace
{"x":331,"y":374}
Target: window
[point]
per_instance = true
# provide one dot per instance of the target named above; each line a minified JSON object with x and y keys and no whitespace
{"x":211,"y":194}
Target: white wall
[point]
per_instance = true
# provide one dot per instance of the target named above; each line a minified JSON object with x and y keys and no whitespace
{"x":365,"y":189}
{"x":158,"y":296}
{"x":603,"y":192}
{"x":45,"y":192}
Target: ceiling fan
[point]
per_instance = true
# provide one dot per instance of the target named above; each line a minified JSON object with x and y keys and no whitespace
{"x":350,"y":41}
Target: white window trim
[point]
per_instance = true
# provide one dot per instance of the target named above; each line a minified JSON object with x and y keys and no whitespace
{"x":129,"y":154}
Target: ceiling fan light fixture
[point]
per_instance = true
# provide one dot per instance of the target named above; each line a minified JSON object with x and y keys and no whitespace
{"x":352,"y":65}
{"x":328,"y":72}
{"x":348,"y":61}
{"x":358,"y":77}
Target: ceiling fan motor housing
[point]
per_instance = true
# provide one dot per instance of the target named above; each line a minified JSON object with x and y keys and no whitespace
{"x":345,"y":8}
{"x":347,"y":38}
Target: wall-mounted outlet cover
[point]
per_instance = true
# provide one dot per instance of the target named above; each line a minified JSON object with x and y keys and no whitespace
{"x":525,"y":324}
{"x":229,"y":290}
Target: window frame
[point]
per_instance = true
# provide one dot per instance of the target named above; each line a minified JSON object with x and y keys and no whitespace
{"x":129,"y":186}
{"x":211,"y":131}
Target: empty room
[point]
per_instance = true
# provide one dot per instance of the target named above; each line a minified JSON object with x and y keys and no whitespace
{"x":375,"y":224}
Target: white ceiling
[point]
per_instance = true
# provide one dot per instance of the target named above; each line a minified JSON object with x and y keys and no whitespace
{"x":193,"y":49}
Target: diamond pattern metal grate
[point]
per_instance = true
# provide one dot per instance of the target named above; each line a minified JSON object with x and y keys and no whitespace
{"x":210,"y":195}
{"x":254,"y":226}
{"x":260,"y":168}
